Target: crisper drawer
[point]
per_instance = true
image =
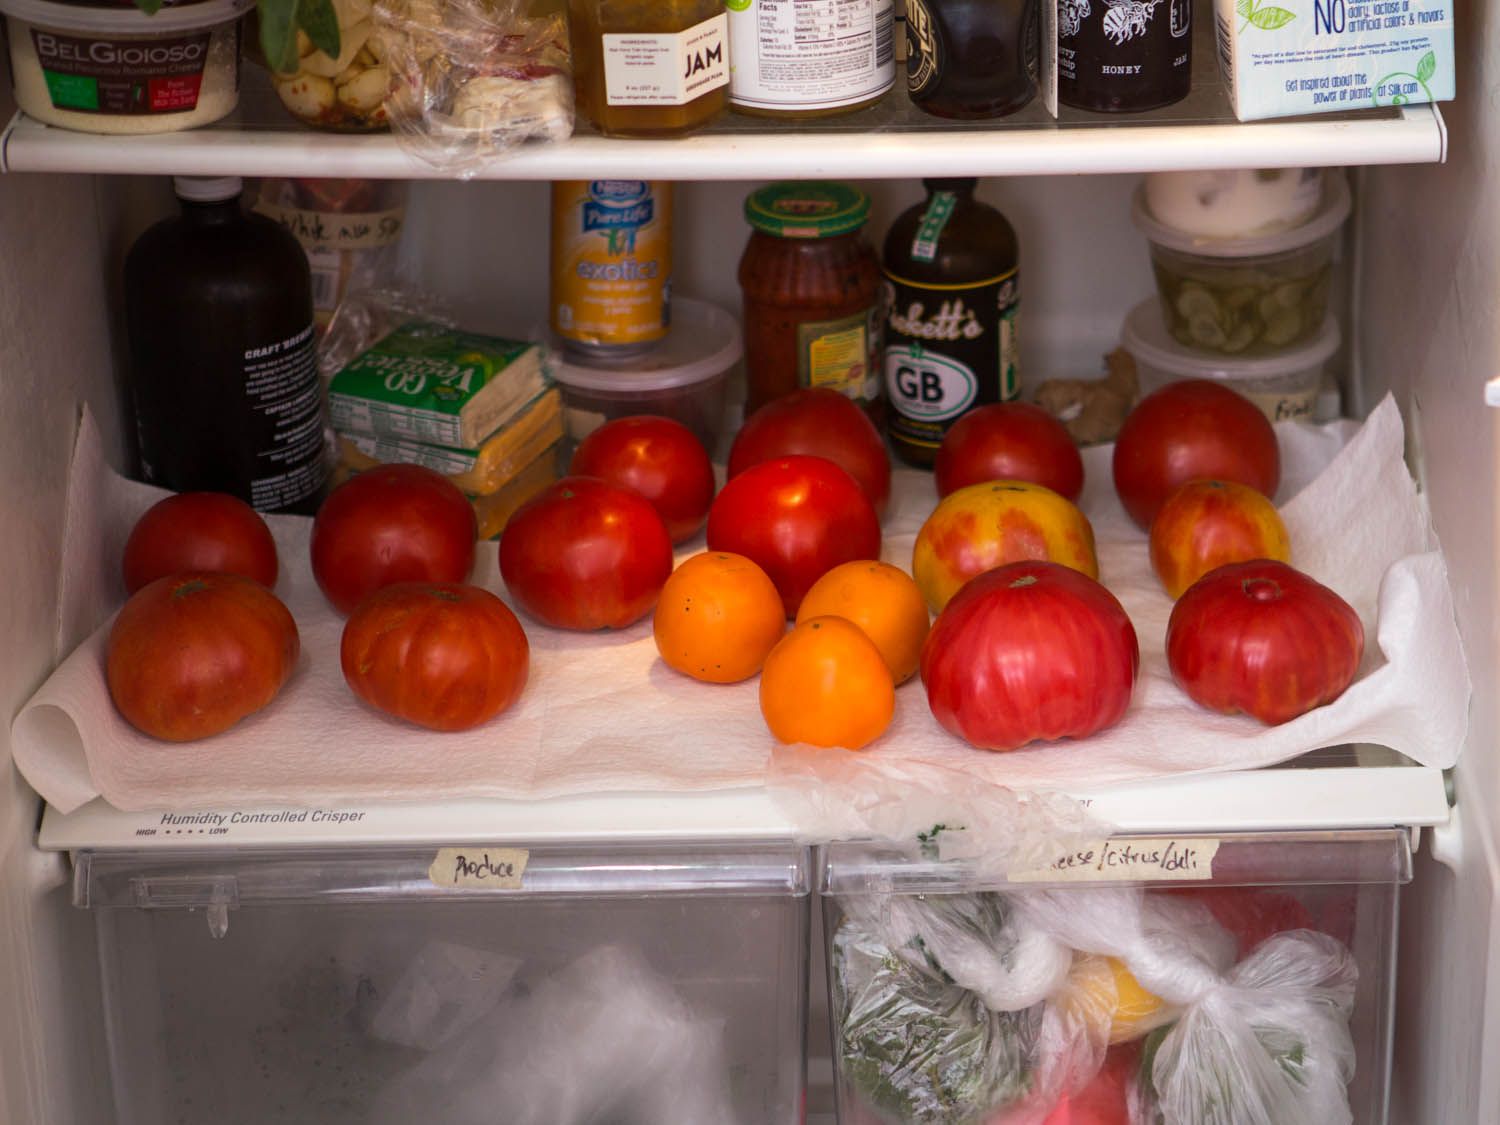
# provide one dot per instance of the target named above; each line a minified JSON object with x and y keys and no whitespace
{"x":645,"y":984}
{"x":1134,"y":981}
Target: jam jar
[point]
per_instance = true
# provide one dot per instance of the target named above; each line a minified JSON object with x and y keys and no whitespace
{"x":811,"y":285}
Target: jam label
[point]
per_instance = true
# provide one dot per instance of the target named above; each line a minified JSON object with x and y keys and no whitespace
{"x":668,"y":69}
{"x":949,"y":348}
{"x":122,"y":77}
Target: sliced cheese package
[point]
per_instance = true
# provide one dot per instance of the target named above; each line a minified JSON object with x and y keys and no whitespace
{"x":429,"y":382}
{"x":494,"y":510}
{"x":479,"y":472}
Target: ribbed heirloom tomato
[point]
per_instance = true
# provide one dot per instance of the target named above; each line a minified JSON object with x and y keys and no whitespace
{"x":443,"y":655}
{"x":199,"y":531}
{"x":192,"y":654}
{"x":1265,"y":639}
{"x":983,"y":526}
{"x":797,"y":518}
{"x":394,"y":523}
{"x":586,"y":554}
{"x":658,"y":457}
{"x":819,"y":422}
{"x":1029,"y":651}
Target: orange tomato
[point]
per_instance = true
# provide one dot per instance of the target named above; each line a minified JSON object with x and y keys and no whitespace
{"x":826,"y":684}
{"x":718,"y":616}
{"x":1206,"y":524}
{"x":986,"y":525}
{"x":881,"y":599}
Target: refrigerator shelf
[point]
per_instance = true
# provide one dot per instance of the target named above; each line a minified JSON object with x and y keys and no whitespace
{"x":889,"y":140}
{"x":1340,"y":787}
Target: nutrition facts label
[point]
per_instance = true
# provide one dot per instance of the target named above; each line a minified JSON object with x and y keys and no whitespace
{"x":811,"y":54}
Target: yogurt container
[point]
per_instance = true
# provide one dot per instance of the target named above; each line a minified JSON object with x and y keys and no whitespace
{"x":1251,"y":295}
{"x":1284,"y":385}
{"x":112,"y":69}
{"x":685,"y":377}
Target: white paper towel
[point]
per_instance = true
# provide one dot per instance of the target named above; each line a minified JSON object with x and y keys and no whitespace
{"x":601,"y":712}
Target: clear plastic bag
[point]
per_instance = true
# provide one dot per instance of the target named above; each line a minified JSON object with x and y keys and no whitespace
{"x":472,"y":79}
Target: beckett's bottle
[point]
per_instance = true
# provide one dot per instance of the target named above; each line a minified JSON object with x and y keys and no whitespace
{"x":223,"y":376}
{"x":952,"y":294}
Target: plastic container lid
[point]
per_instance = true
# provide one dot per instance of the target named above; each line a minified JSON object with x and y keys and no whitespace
{"x":704,"y":342}
{"x":1329,"y":216}
{"x":126,"y":21}
{"x":813,"y":209}
{"x":1145,"y":336}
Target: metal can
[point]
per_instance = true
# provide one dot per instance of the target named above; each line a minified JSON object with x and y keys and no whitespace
{"x":611,"y":264}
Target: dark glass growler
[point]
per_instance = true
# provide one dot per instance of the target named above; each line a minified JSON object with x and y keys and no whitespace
{"x":972,"y":58}
{"x":952,"y":296}
{"x":223,"y":375}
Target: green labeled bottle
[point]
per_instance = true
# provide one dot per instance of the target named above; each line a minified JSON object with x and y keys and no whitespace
{"x":951,"y":267}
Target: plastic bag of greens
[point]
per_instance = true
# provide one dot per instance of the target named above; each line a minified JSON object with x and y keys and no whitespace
{"x":953,"y":1009}
{"x":1262,"y":1042}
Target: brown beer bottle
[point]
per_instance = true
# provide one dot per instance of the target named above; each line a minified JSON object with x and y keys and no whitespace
{"x":952,"y":294}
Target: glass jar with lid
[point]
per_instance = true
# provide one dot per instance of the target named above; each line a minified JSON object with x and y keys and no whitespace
{"x":649,"y":68}
{"x":810,"y":282}
{"x":800,"y":60}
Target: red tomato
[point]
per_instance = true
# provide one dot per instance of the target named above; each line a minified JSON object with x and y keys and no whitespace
{"x":796,"y":518}
{"x":661,"y":459}
{"x":1265,"y":639}
{"x":821,"y":423}
{"x":394,"y":523}
{"x":1186,"y":430}
{"x":440,"y":654}
{"x":1028,"y":651}
{"x":192,"y":654}
{"x":1106,"y":1099}
{"x":1252,"y":914}
{"x":1009,"y":441}
{"x":586,"y":554}
{"x":199,"y":531}
{"x":1206,"y":524}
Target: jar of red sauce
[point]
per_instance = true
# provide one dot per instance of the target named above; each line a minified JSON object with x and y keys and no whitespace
{"x":811,"y":287}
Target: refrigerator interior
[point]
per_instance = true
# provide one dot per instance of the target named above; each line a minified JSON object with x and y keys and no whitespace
{"x":1423,"y":274}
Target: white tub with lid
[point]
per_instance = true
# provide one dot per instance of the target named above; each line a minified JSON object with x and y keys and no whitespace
{"x":1253,"y":295}
{"x":685,"y":377}
{"x":117,"y":70}
{"x":1283,"y":385}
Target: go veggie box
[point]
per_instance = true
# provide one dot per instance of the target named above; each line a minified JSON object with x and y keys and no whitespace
{"x":432,"y":383}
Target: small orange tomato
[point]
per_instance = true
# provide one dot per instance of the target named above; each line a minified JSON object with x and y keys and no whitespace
{"x":986,"y":525}
{"x":826,"y":684}
{"x":718,"y":616}
{"x":1206,"y":524}
{"x":881,"y":599}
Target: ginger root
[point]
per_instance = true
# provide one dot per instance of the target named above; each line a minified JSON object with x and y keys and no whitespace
{"x":1093,"y":410}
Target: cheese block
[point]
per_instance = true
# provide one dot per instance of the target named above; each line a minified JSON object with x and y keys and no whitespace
{"x":494,"y":510}
{"x":431,"y":383}
{"x":480,"y":471}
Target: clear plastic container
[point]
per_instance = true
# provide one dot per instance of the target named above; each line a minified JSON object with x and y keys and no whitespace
{"x":111,"y":69}
{"x":639,"y":983}
{"x":1246,"y":296}
{"x":1285,"y":385}
{"x":346,"y":94}
{"x":686,"y":377}
{"x":933,"y":969}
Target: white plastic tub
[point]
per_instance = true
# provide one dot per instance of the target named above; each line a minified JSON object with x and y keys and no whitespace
{"x":1284,"y":385}
{"x":685,"y":377}
{"x":1246,"y":296}
{"x":117,"y":70}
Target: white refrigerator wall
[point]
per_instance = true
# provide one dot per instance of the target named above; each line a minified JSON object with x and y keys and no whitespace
{"x":54,"y":355}
{"x":1428,"y":270}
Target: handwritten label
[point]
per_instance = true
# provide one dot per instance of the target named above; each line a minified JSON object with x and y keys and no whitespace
{"x":1146,"y":858}
{"x":478,"y":868}
{"x":326,"y":230}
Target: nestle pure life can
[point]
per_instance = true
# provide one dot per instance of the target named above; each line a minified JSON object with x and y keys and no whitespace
{"x":611,"y":264}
